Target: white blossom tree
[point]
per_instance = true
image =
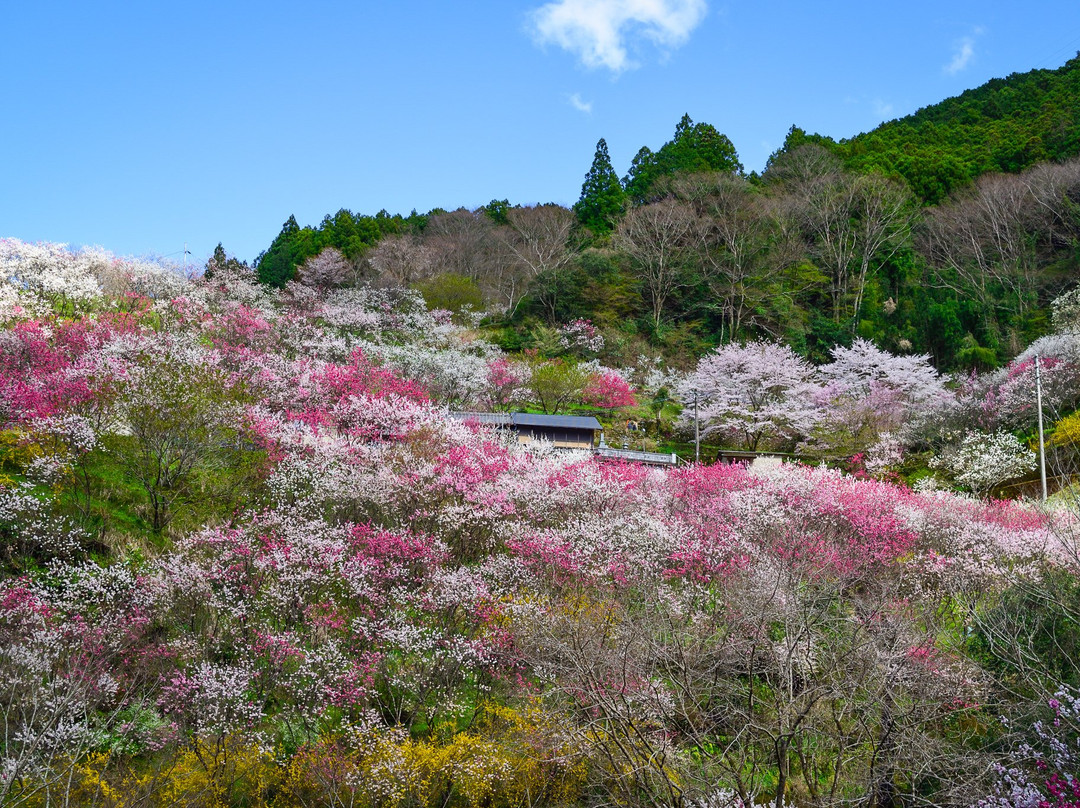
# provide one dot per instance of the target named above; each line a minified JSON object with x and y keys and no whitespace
{"x":867,"y":392}
{"x":982,"y":462}
{"x":761,"y":393}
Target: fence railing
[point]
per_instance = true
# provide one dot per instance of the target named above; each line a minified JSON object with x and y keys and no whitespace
{"x":653,"y":458}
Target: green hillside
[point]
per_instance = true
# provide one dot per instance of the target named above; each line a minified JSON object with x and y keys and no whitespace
{"x":1005,"y":125}
{"x":947,"y":232}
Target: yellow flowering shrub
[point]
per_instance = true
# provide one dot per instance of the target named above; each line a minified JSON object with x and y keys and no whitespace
{"x":503,"y":761}
{"x":222,"y":773}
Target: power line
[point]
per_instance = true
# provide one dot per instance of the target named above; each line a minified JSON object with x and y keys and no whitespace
{"x":1052,"y":59}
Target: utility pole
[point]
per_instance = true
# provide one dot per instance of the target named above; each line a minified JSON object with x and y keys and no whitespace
{"x":1042,"y":445}
{"x":697,"y":432}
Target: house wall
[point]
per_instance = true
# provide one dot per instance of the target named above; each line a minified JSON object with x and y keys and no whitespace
{"x":560,"y":438}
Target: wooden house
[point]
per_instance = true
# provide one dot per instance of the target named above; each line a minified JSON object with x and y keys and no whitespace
{"x":561,"y":431}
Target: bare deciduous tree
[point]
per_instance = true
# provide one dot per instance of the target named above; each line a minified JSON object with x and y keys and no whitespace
{"x":981,"y":242}
{"x":1055,"y":190}
{"x":657,"y":238}
{"x":463,"y":242}
{"x":539,"y":240}
{"x":854,"y":221}
{"x":401,"y":261}
{"x":734,"y":234}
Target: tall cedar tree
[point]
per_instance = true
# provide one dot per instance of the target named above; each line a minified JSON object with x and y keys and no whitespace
{"x":602,"y":197}
{"x":695,"y":148}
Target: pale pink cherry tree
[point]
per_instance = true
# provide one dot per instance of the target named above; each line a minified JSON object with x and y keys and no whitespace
{"x":326,"y":270}
{"x":858,"y":370}
{"x":867,"y":392}
{"x":581,"y":337}
{"x":759,"y":394}
{"x":402,"y":260}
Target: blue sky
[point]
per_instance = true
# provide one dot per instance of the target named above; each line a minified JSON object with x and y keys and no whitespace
{"x":142,"y":126}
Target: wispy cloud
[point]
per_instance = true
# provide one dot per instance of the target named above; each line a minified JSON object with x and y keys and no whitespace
{"x":882,"y":109}
{"x":579,"y":105}
{"x":963,"y":54}
{"x":599,"y":32}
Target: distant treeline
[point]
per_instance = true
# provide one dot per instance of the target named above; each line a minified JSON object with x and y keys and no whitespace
{"x":944,"y":232}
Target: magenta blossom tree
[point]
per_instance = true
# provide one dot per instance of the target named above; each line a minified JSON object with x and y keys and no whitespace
{"x":608,"y":390}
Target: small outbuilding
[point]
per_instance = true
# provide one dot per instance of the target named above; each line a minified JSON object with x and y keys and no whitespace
{"x":561,"y":431}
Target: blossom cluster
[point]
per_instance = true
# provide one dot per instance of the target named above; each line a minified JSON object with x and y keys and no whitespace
{"x":410,"y":609}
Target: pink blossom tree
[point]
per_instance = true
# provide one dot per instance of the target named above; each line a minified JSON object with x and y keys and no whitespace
{"x":608,"y":390}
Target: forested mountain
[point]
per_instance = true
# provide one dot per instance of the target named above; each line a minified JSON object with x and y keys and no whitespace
{"x":946,"y":232}
{"x":345,"y":231}
{"x":1006,"y":125}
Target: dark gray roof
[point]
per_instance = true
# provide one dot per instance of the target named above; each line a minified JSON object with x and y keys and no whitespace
{"x":497,"y":418}
{"x":559,"y":421}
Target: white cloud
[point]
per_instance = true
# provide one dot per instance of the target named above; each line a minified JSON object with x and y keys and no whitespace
{"x":579,"y":105}
{"x":965,"y":51}
{"x":599,"y":31}
{"x":882,"y":109}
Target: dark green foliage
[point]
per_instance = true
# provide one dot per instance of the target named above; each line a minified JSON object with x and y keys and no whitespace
{"x":942,"y":332}
{"x":221,"y":260}
{"x":823,"y":334}
{"x":350,"y":233}
{"x":695,"y":148}
{"x":1005,"y":125}
{"x":602,"y":197}
{"x":277,"y":264}
{"x":641,"y":174}
{"x":593,"y":287}
{"x":496,"y":210}
{"x":396,"y":224}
